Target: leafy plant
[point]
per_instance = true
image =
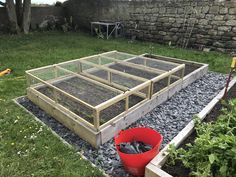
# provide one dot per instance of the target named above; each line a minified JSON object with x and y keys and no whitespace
{"x":213,"y":152}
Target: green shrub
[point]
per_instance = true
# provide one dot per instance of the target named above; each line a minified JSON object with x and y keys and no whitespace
{"x":213,"y":152}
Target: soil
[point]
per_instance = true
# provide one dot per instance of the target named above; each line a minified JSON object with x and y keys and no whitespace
{"x":178,"y":170}
{"x":130,"y":83}
{"x":153,"y":64}
{"x":133,"y":71}
{"x":189,"y":67}
{"x":121,"y":80}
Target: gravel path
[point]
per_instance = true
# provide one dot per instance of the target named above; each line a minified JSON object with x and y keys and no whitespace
{"x":168,"y":118}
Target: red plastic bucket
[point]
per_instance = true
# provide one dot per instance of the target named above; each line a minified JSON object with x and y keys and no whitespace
{"x":135,"y":163}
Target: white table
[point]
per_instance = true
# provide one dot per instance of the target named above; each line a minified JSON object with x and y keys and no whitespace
{"x":115,"y":26}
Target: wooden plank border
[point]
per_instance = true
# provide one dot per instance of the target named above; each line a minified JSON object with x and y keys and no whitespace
{"x":161,"y":158}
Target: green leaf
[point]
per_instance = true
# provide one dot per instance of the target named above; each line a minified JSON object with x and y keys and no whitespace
{"x":212,"y":158}
{"x":223,"y":170}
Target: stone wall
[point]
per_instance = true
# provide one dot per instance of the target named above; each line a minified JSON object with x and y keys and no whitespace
{"x":38,"y":14}
{"x":191,"y":23}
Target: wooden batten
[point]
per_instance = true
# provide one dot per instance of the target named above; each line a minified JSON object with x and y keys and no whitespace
{"x":114,"y":71}
{"x":90,"y":80}
{"x":136,"y":66}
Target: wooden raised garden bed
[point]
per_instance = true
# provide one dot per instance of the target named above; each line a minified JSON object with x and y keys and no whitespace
{"x":98,"y":95}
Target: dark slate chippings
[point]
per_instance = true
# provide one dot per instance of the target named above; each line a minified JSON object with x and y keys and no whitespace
{"x":168,"y":118}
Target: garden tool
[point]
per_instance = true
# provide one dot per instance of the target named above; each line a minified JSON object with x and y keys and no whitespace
{"x":232,"y":69}
{"x":5,"y":72}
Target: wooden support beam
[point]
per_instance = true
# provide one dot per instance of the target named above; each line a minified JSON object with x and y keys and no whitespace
{"x":90,"y":80}
{"x":96,"y":119}
{"x":112,"y":84}
{"x":147,"y":58}
{"x":160,"y":61}
{"x":80,"y":68}
{"x":55,"y":72}
{"x":109,"y":77}
{"x":115,"y":71}
{"x":127,"y":103}
{"x":39,"y":69}
{"x":160,"y":57}
{"x":137,"y":66}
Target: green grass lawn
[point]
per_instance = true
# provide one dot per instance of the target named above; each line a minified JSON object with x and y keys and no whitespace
{"x":27,"y":148}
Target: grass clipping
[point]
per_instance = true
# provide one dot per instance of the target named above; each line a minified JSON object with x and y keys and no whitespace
{"x":213,"y":152}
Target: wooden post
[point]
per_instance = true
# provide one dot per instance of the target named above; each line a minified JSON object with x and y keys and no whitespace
{"x":96,"y":119}
{"x":55,"y":71}
{"x":109,"y":76}
{"x":28,"y":80}
{"x":151,"y":89}
{"x":150,"y":92}
{"x":169,"y":78}
{"x":55,"y":95}
{"x":127,"y":103}
{"x":99,"y":60}
{"x":145,"y":62}
{"x":183,"y":71}
{"x":80,"y":69}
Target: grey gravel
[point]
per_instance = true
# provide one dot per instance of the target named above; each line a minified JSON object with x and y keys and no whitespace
{"x":168,"y":118}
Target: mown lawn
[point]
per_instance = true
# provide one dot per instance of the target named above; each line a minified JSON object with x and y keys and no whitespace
{"x":27,"y":148}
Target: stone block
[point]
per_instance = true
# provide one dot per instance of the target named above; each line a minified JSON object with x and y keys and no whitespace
{"x":234,"y":29}
{"x":171,"y":10}
{"x":229,"y":17}
{"x":180,"y":10}
{"x":209,"y":16}
{"x":203,"y":22}
{"x":163,"y":33}
{"x":162,"y":10}
{"x":162,"y":19}
{"x":174,"y":29}
{"x":214,"y":10}
{"x":219,"y":17}
{"x":230,"y":44}
{"x":218,"y":23}
{"x":231,"y":23}
{"x":176,"y":25}
{"x":224,"y":28}
{"x":232,"y":11}
{"x":171,"y":20}
{"x":229,"y":34}
{"x":224,"y":10}
{"x":151,"y":28}
{"x":212,"y":32}
{"x":153,"y":19}
{"x":205,"y":9}
{"x":179,"y":20}
{"x":221,"y":33}
{"x":218,"y":44}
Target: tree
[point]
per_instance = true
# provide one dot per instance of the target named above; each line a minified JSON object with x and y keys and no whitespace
{"x":19,"y":15}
